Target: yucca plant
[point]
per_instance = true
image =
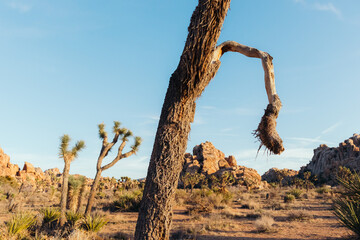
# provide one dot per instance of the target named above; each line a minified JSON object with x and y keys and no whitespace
{"x":20,"y":222}
{"x":50,"y":216}
{"x":347,"y":206}
{"x":93,"y":223}
{"x":348,"y":212}
{"x":73,"y":218}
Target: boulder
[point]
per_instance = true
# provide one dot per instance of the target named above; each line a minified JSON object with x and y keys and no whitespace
{"x":327,"y":160}
{"x":209,"y":156}
{"x":209,"y":161}
{"x":7,"y":168}
{"x":274,"y":175}
{"x":28,"y":168}
{"x":231,"y":160}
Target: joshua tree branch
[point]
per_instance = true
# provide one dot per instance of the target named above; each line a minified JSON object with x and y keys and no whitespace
{"x":119,"y":157}
{"x":253,"y":53}
{"x":266,"y":131}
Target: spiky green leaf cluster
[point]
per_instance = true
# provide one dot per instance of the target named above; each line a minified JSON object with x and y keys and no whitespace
{"x":80,"y":145}
{"x":351,"y":185}
{"x":20,"y":222}
{"x":64,"y":144}
{"x":126,"y":135}
{"x":137,"y":144}
{"x":348,"y":212}
{"x":73,"y":218}
{"x":347,"y":205}
{"x":50,"y":215}
{"x":102,"y":132}
{"x":93,"y":223}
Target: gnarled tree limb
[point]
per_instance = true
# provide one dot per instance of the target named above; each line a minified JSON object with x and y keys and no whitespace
{"x":266,"y":131}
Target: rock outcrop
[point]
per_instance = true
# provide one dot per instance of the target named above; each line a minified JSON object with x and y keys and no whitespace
{"x":7,"y":168}
{"x":28,"y":173}
{"x":208,"y":160}
{"x":275,"y":175}
{"x":327,"y":160}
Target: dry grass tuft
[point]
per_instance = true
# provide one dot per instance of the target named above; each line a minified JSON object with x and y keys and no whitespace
{"x":264,"y":224}
{"x":300,"y":215}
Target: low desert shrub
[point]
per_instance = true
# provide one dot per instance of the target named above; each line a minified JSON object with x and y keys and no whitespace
{"x":322,"y":190}
{"x":7,"y":180}
{"x":264,"y":224}
{"x":251,"y":204}
{"x":300,"y":215}
{"x":93,"y":223}
{"x":296,"y":193}
{"x":289,"y":198}
{"x":128,"y":202}
{"x":206,"y":200}
{"x":20,"y":222}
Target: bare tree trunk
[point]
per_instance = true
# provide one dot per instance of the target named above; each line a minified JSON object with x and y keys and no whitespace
{"x":93,"y":192}
{"x":192,"y":75}
{"x":64,"y":191}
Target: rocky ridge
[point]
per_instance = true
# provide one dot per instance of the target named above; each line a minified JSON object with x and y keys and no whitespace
{"x":326,"y":160}
{"x":28,"y":173}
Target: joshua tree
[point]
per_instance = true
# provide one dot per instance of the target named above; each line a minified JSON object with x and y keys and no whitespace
{"x":192,"y":179}
{"x":198,"y":64}
{"x":122,"y":133}
{"x":68,"y":157}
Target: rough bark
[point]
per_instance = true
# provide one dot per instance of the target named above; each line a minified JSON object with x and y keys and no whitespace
{"x":64,"y":191}
{"x":93,"y":192}
{"x":198,"y":64}
{"x":192,"y":75}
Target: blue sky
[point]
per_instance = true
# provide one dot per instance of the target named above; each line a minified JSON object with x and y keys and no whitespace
{"x":66,"y":66}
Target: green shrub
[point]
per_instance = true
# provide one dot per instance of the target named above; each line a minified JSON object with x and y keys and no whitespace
{"x":50,"y":215}
{"x":323,"y":190}
{"x":7,"y":180}
{"x":296,"y":193}
{"x":128,"y":202}
{"x":289,"y":198}
{"x":73,"y":217}
{"x":93,"y":223}
{"x":20,"y":222}
{"x":300,"y":215}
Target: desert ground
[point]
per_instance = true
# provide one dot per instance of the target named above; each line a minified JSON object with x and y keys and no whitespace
{"x":232,"y":213}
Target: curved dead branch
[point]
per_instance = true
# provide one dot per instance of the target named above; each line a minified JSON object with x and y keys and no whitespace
{"x":266,"y":131}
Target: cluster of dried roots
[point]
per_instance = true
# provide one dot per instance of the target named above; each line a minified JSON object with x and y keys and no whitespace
{"x":266,"y":132}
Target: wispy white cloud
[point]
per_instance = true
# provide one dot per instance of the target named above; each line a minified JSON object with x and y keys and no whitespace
{"x":19,"y":6}
{"x":331,"y":128}
{"x":325,"y":7}
{"x":308,"y":140}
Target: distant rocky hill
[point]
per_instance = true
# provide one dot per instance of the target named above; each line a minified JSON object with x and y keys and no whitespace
{"x":326,"y":160}
{"x":208,"y":160}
